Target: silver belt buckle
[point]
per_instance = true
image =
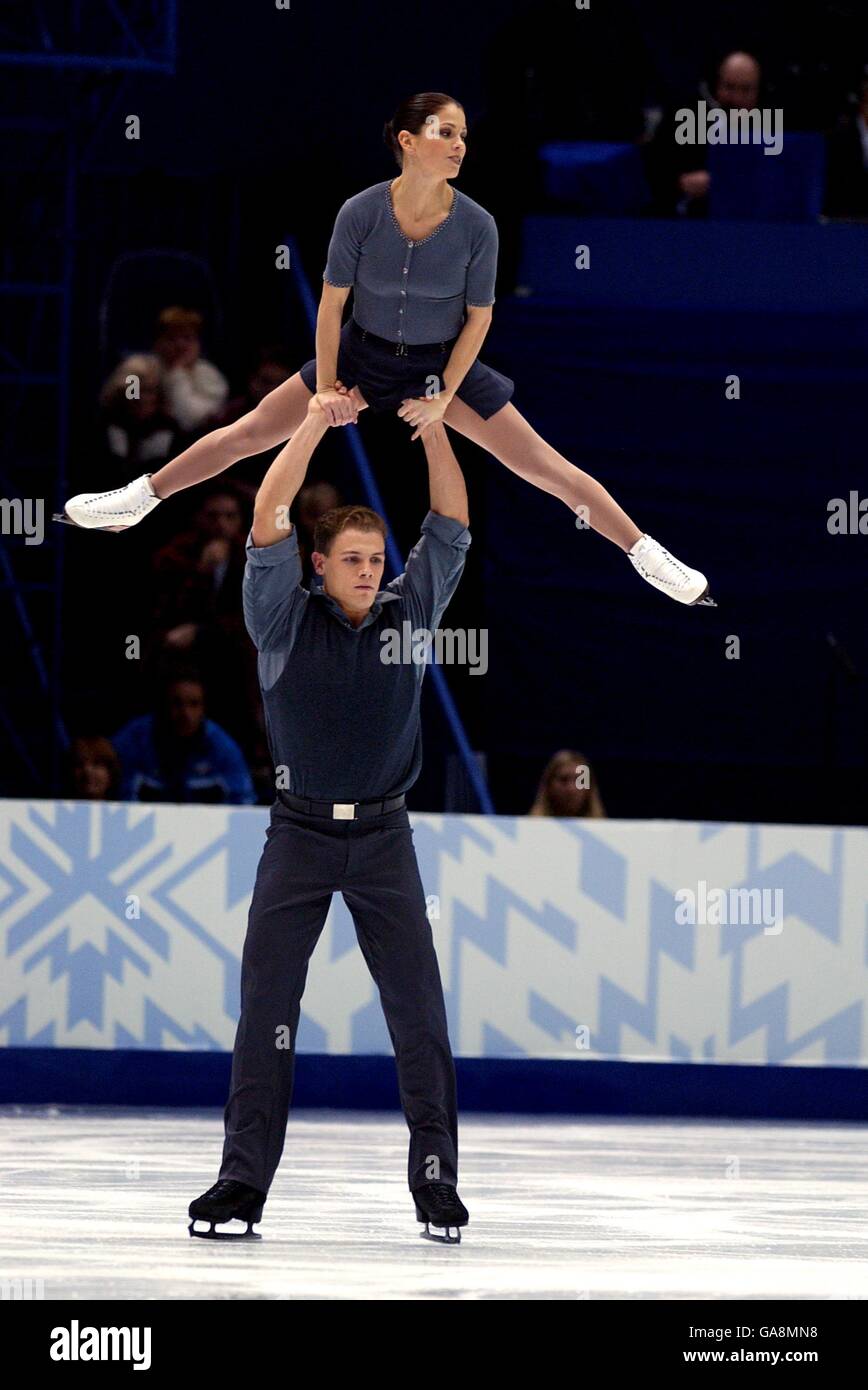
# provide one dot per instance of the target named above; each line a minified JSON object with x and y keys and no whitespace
{"x":343,"y":810}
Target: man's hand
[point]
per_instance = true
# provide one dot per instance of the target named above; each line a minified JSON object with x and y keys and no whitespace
{"x":340,"y":406}
{"x":424,"y":411}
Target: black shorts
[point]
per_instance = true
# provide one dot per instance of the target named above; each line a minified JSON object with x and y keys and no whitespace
{"x":385,"y":379}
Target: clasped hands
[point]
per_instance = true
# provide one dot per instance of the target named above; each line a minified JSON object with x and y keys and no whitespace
{"x":341,"y":407}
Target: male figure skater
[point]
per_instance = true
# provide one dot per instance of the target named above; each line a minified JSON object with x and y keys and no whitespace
{"x":344,"y":729}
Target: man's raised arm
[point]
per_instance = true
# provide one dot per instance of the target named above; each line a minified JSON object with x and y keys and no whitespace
{"x":435,"y":563}
{"x":284,"y":478}
{"x":445,"y":480}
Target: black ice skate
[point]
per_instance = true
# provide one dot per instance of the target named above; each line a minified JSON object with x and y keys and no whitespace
{"x":227,"y":1200}
{"x":438,"y":1204}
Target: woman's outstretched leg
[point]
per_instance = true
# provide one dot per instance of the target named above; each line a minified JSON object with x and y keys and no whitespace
{"x":508,"y":436}
{"x":274,"y":420}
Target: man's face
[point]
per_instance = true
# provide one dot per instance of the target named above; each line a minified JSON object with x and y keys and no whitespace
{"x":266,"y":377}
{"x":221,"y":517}
{"x":313,"y":502}
{"x":352,"y":571}
{"x":179,"y":346}
{"x":186,"y":708}
{"x":738,"y":82}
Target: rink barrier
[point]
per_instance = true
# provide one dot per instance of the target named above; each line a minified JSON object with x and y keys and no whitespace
{"x":560,"y":942}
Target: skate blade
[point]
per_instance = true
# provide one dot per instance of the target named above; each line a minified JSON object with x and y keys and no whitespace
{"x":446,"y":1239}
{"x":68,"y":521}
{"x":214,"y":1234}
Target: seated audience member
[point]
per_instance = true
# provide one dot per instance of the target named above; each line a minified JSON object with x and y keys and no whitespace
{"x":196,"y":391}
{"x":197,"y":611}
{"x":198,"y":573}
{"x":139,"y":431}
{"x":273,"y":367}
{"x":678,"y":174}
{"x":568,"y":787}
{"x":176,"y":754}
{"x":847,"y":167}
{"x":314,"y":500}
{"x":93,"y":770}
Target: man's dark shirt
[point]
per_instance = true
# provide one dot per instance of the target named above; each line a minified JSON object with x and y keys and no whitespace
{"x":342,"y":723}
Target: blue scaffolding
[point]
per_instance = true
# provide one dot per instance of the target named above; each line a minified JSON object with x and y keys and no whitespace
{"x":61,"y":40}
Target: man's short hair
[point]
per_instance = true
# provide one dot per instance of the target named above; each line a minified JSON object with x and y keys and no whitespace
{"x":338,"y":519}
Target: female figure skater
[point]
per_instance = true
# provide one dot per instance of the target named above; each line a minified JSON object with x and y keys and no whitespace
{"x":420,"y":257}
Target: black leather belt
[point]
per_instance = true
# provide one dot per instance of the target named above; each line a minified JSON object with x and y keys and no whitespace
{"x":402,"y":349}
{"x":340,"y":810}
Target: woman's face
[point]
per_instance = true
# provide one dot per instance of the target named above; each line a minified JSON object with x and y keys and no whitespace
{"x":565,"y":797}
{"x":92,"y":779}
{"x":439,"y":148}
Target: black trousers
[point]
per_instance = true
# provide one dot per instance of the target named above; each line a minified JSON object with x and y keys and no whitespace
{"x":373,"y":864}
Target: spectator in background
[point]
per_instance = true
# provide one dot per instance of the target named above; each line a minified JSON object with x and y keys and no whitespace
{"x":678,"y":174}
{"x":197,"y":611}
{"x":93,"y":770}
{"x":196,"y":572}
{"x":138,"y":429}
{"x":847,"y":167}
{"x":568,"y":787}
{"x":314,"y":500}
{"x":196,"y":390}
{"x":273,"y":367}
{"x":176,"y":754}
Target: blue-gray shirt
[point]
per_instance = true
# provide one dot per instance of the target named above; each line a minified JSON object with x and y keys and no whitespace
{"x":344,"y":723}
{"x":412,"y":291}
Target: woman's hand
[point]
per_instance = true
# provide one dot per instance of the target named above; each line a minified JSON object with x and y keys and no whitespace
{"x":423,"y":411}
{"x":340,"y":406}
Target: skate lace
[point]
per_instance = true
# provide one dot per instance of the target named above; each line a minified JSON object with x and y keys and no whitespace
{"x":96,"y":509}
{"x":440,"y":1194}
{"x":113,"y":492}
{"x":667,"y":562}
{"x":223,"y":1187}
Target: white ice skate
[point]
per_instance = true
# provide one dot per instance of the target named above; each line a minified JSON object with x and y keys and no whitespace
{"x":111,"y":511}
{"x":667,"y":574}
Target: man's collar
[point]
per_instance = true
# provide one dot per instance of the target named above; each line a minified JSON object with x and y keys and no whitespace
{"x":383,"y":596}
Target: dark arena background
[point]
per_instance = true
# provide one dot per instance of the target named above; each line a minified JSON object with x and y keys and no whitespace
{"x":677,"y":1097}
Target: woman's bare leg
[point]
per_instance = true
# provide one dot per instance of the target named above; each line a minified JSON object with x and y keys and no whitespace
{"x":509,"y":437}
{"x":274,"y":420}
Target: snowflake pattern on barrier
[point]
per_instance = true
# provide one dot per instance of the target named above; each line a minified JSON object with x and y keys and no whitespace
{"x":123,"y":925}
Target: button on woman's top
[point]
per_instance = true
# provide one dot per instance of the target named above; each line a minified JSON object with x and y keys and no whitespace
{"x":412,"y":291}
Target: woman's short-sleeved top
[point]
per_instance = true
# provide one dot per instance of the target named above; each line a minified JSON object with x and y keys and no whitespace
{"x":412,"y":291}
